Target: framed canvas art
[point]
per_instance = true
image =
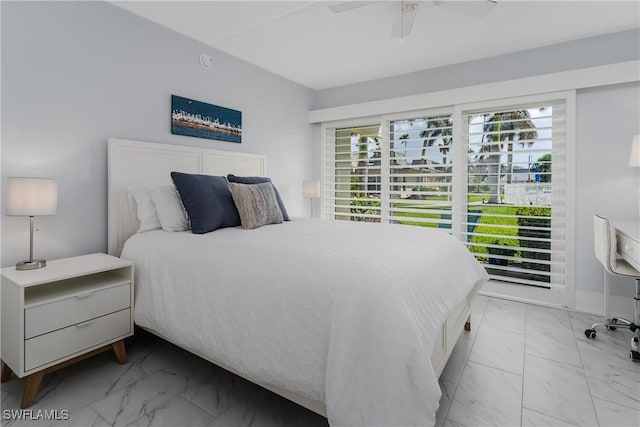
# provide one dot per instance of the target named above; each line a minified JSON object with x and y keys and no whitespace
{"x":202,"y":120}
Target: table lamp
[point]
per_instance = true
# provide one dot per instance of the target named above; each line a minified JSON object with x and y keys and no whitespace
{"x":31,"y":197}
{"x":311,"y":190}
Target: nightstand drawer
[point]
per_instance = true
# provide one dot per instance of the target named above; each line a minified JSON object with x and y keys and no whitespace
{"x":56,"y":345}
{"x":54,"y":315}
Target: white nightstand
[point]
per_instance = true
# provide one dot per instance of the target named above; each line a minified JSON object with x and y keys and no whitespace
{"x":65,"y":312}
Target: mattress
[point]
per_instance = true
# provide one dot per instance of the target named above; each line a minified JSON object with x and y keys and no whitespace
{"x":344,"y":313}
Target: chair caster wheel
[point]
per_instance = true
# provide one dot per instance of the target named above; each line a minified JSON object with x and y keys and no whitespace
{"x":634,"y":356}
{"x":590,"y":333}
{"x":611,"y":328}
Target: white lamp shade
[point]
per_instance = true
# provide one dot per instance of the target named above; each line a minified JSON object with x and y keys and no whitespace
{"x":311,"y":189}
{"x":31,"y":196}
{"x":634,"y":159}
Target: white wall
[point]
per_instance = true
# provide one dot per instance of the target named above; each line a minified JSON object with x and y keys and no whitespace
{"x":607,"y":118}
{"x":77,"y":73}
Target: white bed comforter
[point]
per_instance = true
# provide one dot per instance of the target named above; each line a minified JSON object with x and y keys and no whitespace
{"x":340,"y":312}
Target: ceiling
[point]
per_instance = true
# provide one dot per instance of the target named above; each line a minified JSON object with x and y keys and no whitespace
{"x":307,"y":43}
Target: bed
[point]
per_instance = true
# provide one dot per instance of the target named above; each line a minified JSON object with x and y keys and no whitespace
{"x":300,"y":308}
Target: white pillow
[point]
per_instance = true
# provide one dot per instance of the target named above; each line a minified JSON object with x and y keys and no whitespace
{"x":169,"y":208}
{"x":145,"y":209}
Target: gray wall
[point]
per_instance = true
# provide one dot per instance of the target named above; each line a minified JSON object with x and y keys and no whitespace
{"x":607,"y":49}
{"x":77,"y":73}
{"x":607,"y":117}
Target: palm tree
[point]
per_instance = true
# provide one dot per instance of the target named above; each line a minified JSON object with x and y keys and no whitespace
{"x":444,"y":149}
{"x":437,"y":127}
{"x":504,"y":128}
{"x":403,"y":140}
{"x":543,"y":166}
{"x":363,"y":202}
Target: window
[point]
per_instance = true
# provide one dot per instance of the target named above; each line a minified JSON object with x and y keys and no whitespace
{"x":515,"y":216}
{"x":493,"y":174}
{"x":354,"y":174}
{"x":420,"y":171}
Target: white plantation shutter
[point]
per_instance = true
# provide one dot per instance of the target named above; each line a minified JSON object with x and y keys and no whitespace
{"x":420,"y":171}
{"x":514,"y":215}
{"x":353,"y":174}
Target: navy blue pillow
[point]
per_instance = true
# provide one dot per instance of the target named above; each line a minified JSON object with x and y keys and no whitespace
{"x":260,"y":180}
{"x":207,"y":200}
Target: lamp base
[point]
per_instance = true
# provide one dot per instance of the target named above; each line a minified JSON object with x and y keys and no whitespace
{"x":31,"y":265}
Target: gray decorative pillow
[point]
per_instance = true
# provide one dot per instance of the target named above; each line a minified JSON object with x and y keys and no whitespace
{"x":256,"y":204}
{"x":259,"y":180}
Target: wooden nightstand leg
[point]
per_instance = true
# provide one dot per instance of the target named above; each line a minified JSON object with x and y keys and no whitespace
{"x":34,"y":380}
{"x":120,"y":351}
{"x":6,"y":373}
{"x":31,"y":389}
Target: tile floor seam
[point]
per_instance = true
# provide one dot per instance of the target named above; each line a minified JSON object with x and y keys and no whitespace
{"x":493,"y":367}
{"x":453,"y":395}
{"x":571,"y":336}
{"x":548,"y":416}
{"x":477,"y":399}
{"x":455,"y":390}
{"x":584,"y":371}
{"x":606,"y":398}
{"x":615,"y":402}
{"x":553,"y":360}
{"x":569,"y":367}
{"x":524,"y":364}
{"x":204,"y":409}
{"x":446,"y":417}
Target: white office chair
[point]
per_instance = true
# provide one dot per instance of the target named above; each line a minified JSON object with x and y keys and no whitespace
{"x":606,"y":252}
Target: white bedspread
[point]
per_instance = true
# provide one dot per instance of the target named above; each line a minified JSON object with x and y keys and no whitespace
{"x":341,"y":312}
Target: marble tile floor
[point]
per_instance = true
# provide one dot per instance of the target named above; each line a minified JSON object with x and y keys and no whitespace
{"x":520,"y":365}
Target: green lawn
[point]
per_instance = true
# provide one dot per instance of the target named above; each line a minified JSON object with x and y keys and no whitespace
{"x":499,"y":230}
{"x":495,"y":225}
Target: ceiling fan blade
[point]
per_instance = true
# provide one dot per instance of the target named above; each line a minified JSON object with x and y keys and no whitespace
{"x":344,"y":6}
{"x":475,"y":8}
{"x":404,"y":24}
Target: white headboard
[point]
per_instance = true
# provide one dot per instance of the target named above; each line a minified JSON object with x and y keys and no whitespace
{"x":134,"y":163}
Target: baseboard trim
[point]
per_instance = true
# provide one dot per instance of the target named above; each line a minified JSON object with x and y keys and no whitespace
{"x":587,"y":302}
{"x":592,"y":303}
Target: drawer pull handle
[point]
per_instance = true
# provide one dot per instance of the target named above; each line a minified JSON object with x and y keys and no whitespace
{"x":83,"y":296}
{"x":82,"y":325}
